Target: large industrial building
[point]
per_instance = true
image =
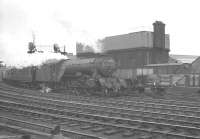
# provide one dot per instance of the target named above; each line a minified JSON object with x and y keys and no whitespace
{"x":145,"y":53}
{"x":136,"y":49}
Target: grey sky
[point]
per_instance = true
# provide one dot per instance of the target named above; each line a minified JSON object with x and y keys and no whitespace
{"x":67,"y":21}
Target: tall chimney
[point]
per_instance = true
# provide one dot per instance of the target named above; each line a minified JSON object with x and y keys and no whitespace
{"x":159,"y":35}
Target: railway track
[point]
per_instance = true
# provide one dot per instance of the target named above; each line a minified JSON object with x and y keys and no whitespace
{"x":139,"y":106}
{"x":118,"y":111}
{"x":109,"y":125}
{"x":36,"y":127}
{"x":152,"y":128}
{"x":80,"y":98}
{"x":114,"y":101}
{"x":145,"y":106}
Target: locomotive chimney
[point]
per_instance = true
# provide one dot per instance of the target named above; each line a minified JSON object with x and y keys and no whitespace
{"x":159,"y":35}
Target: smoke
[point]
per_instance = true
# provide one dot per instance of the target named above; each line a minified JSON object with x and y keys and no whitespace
{"x":36,"y":59}
{"x":91,"y":41}
{"x":20,"y":21}
{"x":96,"y":47}
{"x":17,"y":24}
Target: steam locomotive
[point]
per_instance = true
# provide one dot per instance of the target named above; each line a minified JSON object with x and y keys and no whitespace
{"x":84,"y":75}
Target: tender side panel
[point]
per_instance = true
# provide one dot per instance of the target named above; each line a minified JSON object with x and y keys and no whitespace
{"x":49,"y":72}
{"x":22,"y":75}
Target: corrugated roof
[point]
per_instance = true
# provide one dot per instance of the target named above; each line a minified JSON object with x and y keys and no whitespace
{"x":163,"y":64}
{"x":184,"y":58}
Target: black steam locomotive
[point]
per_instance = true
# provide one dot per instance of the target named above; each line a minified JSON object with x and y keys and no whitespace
{"x":83,"y":75}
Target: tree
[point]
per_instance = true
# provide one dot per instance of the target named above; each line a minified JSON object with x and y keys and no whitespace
{"x":31,"y":48}
{"x":56,"y":48}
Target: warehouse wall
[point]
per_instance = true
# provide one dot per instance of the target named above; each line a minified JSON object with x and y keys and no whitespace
{"x":158,"y":56}
{"x":138,"y":57}
{"x":129,"y":58}
{"x":131,"y":40}
{"x":169,"y":69}
{"x":125,"y":41}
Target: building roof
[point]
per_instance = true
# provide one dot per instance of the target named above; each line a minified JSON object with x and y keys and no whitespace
{"x":163,"y":64}
{"x":183,"y":58}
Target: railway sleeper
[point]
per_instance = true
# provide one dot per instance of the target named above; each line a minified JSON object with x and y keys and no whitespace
{"x":138,"y":121}
{"x":55,"y":111}
{"x":86,"y":127}
{"x":99,"y":129}
{"x":142,"y":135}
{"x":113,"y":131}
{"x":128,"y":133}
{"x":38,"y":127}
{"x":73,"y":124}
{"x":148,"y":100}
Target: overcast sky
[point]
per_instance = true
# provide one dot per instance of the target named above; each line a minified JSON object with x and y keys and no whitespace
{"x":67,"y":21}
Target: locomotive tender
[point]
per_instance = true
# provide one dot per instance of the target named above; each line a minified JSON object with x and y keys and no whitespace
{"x":89,"y":74}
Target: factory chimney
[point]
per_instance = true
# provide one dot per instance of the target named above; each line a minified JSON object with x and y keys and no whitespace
{"x":159,"y":35}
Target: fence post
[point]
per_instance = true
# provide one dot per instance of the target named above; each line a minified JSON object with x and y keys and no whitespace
{"x":199,"y":80}
{"x":187,"y":80}
{"x":193,"y":79}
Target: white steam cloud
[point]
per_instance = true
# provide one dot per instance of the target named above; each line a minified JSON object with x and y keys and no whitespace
{"x":19,"y":22}
{"x":35,"y":59}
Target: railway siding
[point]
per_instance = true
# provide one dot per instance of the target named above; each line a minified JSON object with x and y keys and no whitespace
{"x":82,"y":117}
